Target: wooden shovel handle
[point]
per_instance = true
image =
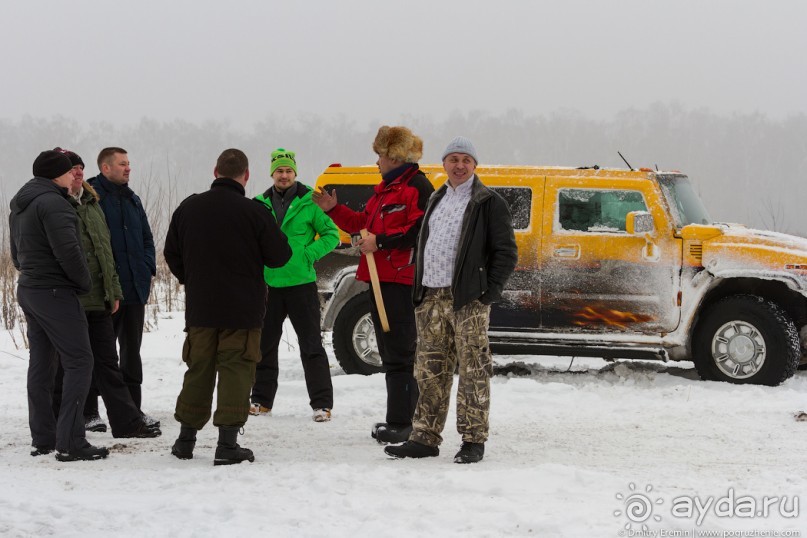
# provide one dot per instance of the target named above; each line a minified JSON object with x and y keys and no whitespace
{"x":379,"y":300}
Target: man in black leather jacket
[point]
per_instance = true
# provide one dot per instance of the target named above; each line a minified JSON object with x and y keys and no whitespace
{"x":466,"y":253}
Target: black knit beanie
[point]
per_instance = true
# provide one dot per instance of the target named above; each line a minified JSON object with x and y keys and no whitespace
{"x":72,"y":155}
{"x":52,"y":164}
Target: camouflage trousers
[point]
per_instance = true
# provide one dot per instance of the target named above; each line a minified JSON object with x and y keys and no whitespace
{"x":446,"y":339}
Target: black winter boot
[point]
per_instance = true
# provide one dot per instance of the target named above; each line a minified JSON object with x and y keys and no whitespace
{"x":183,"y":447}
{"x":470,"y":453}
{"x":228,"y":452}
{"x":391,"y":433}
{"x":41,"y":450}
{"x":88,"y":453}
{"x":141,"y":431}
{"x":412,"y":449}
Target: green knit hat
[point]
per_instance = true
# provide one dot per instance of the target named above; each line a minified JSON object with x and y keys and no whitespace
{"x":282,"y":157}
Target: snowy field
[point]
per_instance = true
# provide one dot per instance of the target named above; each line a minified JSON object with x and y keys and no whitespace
{"x":600,"y":450}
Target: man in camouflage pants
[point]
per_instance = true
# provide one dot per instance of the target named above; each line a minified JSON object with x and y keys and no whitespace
{"x":466,"y":252}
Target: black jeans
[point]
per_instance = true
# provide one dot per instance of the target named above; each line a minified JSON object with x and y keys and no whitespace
{"x":301,"y":305}
{"x":124,"y":417}
{"x":397,"y":349}
{"x":128,"y":323}
{"x":56,"y":325}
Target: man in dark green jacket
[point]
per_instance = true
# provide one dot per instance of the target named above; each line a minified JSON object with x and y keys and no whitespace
{"x":99,"y":304}
{"x":293,"y":289}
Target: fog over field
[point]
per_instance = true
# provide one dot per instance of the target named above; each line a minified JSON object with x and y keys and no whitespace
{"x":713,"y":89}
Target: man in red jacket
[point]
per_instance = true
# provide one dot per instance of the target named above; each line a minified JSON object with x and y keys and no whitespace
{"x":392,"y":218}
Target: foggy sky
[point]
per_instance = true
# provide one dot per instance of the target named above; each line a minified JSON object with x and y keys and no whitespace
{"x":378,"y":61}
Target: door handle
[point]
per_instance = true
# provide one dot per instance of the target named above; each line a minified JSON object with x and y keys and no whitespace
{"x":567,"y":251}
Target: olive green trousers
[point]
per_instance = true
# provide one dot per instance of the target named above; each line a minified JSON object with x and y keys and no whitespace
{"x":229,"y":354}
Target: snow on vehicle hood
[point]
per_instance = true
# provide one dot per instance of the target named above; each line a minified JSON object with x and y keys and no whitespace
{"x":739,"y":251}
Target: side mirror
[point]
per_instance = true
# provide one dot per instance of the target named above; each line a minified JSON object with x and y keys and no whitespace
{"x":639,"y":222}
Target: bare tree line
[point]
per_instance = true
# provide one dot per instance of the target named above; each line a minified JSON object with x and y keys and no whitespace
{"x":747,"y":167}
{"x":734,"y":160}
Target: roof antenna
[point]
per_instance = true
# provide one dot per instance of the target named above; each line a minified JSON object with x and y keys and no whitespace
{"x":626,"y":161}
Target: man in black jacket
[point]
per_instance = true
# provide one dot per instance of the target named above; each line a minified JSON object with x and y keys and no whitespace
{"x":217,"y":246}
{"x":46,"y":249}
{"x":466,"y":253}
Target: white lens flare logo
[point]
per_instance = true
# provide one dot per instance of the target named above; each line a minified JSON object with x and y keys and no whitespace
{"x":638,"y":507}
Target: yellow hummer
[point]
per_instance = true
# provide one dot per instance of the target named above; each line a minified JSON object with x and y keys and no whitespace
{"x":612,"y":263}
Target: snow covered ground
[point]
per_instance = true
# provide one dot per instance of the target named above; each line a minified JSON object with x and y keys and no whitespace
{"x":601,"y":450}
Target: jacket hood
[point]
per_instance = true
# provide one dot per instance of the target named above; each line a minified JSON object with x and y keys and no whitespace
{"x":33,"y":189}
{"x":88,"y":195}
{"x":88,"y":189}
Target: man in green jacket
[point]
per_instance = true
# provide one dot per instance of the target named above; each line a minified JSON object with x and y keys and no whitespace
{"x":293,"y":289}
{"x":99,"y":304}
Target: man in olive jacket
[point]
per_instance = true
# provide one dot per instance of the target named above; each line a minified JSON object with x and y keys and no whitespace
{"x":293,"y":289}
{"x":99,"y":304}
{"x":217,"y":246}
{"x":46,"y":249}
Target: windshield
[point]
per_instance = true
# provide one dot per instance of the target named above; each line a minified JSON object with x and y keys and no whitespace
{"x":684,"y":202}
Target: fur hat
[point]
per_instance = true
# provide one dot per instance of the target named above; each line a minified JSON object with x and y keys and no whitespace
{"x":398,"y":143}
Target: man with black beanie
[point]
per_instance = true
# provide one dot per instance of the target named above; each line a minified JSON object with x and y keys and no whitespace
{"x":46,"y":249}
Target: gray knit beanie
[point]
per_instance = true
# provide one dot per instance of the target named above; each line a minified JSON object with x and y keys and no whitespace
{"x":460,"y":145}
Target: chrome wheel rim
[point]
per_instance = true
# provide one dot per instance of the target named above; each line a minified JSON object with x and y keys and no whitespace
{"x":738,"y":349}
{"x":364,"y":341}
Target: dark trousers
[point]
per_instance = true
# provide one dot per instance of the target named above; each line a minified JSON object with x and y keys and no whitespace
{"x":123,"y":415}
{"x":90,"y":405}
{"x":230,"y":355}
{"x":56,"y":325}
{"x":128,"y":322}
{"x":301,"y":305}
{"x":397,"y":349}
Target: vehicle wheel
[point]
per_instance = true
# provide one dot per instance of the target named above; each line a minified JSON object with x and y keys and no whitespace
{"x":746,"y":339}
{"x":354,"y":340}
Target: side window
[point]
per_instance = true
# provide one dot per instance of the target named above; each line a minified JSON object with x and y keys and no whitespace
{"x":353,"y":196}
{"x":603,"y":211}
{"x":520,"y":201}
